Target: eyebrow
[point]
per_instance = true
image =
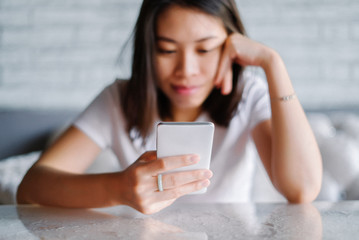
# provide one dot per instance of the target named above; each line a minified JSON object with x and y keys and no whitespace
{"x":166,"y":39}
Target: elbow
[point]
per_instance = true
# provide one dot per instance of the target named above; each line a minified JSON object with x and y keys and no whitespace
{"x":300,"y":198}
{"x":301,"y":189}
{"x":27,"y":190}
{"x":303,"y":195}
{"x":24,"y":191}
{"x":301,"y":192}
{"x":20,"y":195}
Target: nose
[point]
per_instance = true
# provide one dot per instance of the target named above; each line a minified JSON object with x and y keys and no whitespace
{"x":187,"y":65}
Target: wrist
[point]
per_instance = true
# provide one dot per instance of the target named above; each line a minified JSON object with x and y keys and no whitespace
{"x":115,"y":189}
{"x":270,"y":59}
{"x":280,"y":86}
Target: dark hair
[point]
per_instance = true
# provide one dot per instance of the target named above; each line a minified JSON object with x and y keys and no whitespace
{"x":141,"y":100}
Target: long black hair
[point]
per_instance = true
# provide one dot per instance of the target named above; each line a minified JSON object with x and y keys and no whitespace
{"x":141,"y":100}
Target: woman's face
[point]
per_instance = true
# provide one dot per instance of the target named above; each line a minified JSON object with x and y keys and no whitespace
{"x":189,"y":45}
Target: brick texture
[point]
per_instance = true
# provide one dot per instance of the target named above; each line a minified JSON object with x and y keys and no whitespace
{"x":60,"y":54}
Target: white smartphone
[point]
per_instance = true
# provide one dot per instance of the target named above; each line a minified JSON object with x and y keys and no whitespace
{"x":180,"y":138}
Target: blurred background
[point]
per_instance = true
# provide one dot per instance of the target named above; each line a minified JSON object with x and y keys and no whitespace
{"x":59,"y":54}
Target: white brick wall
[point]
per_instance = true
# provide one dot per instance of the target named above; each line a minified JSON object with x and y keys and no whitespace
{"x":319,"y":42}
{"x":61,"y":53}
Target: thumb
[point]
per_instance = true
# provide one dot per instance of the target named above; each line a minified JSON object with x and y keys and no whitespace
{"x":148,"y":156}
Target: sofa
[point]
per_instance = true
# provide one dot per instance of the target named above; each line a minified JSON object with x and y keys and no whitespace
{"x":24,"y":134}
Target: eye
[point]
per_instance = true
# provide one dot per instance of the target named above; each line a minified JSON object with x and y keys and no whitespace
{"x":203,"y":51}
{"x":207,"y":49}
{"x":164,"y":51}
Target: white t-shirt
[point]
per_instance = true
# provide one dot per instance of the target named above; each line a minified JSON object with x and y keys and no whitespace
{"x":233,"y":150}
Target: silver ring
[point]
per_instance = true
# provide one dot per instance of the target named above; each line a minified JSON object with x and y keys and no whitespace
{"x":159,"y":182}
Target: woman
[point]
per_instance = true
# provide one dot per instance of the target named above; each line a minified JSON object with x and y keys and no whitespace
{"x":187,"y":66}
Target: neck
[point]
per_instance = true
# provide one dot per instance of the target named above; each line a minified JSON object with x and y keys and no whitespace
{"x":185,"y":115}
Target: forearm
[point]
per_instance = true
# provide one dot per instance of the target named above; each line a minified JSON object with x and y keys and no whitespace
{"x":47,"y":186}
{"x":296,"y":166}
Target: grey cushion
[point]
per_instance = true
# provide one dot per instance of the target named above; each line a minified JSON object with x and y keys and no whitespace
{"x":24,"y":131}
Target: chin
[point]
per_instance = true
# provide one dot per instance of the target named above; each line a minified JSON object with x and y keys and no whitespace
{"x":188,"y":104}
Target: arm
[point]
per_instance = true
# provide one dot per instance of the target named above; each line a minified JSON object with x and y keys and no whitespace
{"x":285,"y":143}
{"x":57,"y":179}
{"x":291,"y":154}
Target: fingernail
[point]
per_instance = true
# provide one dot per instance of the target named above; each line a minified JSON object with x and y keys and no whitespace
{"x":205,"y":183}
{"x":208,"y":174}
{"x":194,"y":158}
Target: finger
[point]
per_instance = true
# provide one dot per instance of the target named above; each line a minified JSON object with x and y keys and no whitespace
{"x":157,"y":206}
{"x":223,"y":66}
{"x":173,"y":180}
{"x":170,"y":163}
{"x":175,"y":193}
{"x":225,"y":63}
{"x":227,"y":82}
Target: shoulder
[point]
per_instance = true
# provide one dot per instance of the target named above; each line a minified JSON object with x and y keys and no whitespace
{"x":116,"y":87}
{"x":103,"y":116}
{"x":106,"y":101}
{"x":255,"y":102}
{"x":254,"y":89}
{"x":113,"y":91}
{"x":253,"y":84}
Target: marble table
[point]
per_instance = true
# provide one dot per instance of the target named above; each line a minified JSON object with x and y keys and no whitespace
{"x":320,"y":220}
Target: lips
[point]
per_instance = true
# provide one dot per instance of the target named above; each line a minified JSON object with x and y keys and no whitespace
{"x":185,"y":90}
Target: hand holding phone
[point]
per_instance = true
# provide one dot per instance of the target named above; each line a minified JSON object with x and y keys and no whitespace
{"x":181,"y":138}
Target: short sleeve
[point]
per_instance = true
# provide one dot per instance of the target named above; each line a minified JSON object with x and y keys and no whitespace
{"x":95,"y":120}
{"x":258,"y":100}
